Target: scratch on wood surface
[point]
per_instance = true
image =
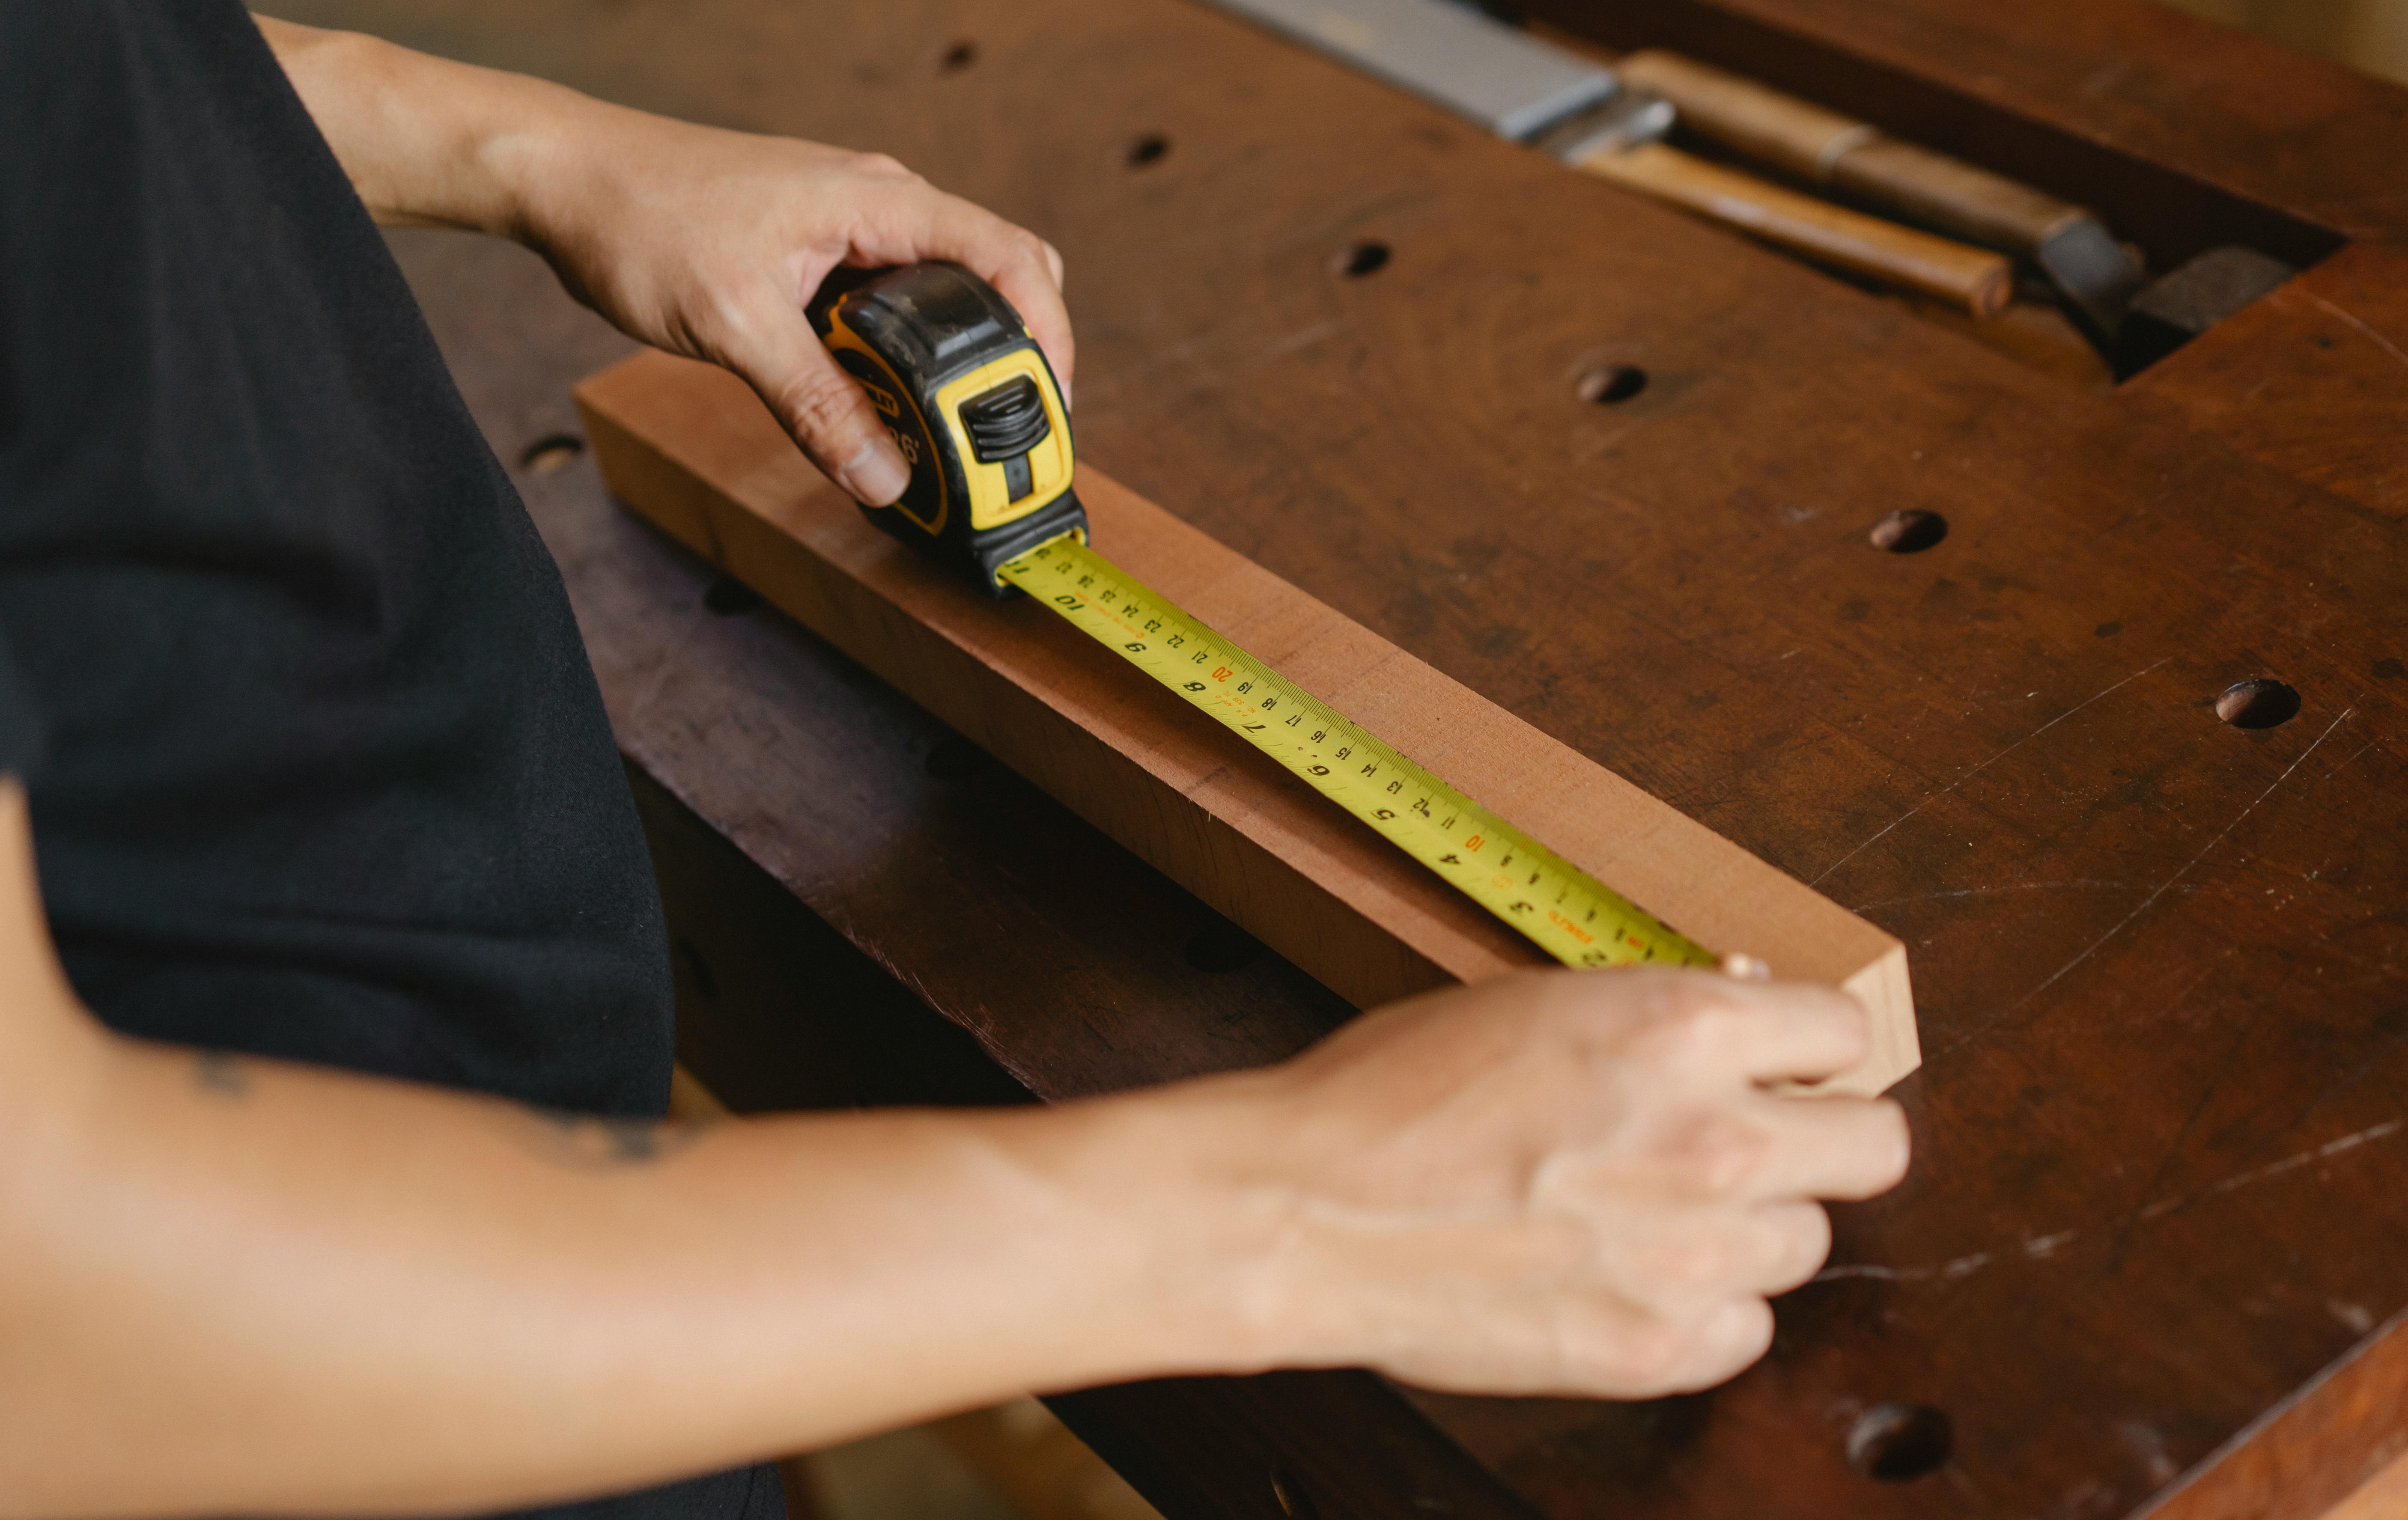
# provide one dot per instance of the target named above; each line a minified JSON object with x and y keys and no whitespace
{"x":2044,"y":1247}
{"x":2338,"y":765}
{"x":2362,"y":325}
{"x":2121,"y":924}
{"x":1994,"y":891}
{"x":2272,"y":1169}
{"x":1302,"y":338}
{"x":1983,"y":766}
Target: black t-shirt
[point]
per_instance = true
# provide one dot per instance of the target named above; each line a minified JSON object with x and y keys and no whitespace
{"x":316,"y":765}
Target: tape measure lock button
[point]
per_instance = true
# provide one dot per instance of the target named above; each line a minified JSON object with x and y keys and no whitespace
{"x":1004,"y":424}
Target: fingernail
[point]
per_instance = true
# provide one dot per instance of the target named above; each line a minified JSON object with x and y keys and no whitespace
{"x":875,"y":475}
{"x":1745,"y":968}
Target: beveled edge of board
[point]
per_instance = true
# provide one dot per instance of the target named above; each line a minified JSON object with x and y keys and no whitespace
{"x":688,"y":447}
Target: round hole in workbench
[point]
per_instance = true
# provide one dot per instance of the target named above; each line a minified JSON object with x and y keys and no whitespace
{"x":729,"y":596}
{"x":1899,"y":1443}
{"x":1146,"y":149}
{"x":2257,"y":704}
{"x":1356,"y":260}
{"x":955,"y":759}
{"x":1222,"y":946}
{"x":1908,"y":532}
{"x":958,"y":57}
{"x":1608,"y":384}
{"x":552,"y":453}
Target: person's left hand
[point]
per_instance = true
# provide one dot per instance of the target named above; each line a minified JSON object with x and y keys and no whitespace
{"x":708,"y":242}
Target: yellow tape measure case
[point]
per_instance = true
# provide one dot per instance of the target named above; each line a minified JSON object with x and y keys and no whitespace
{"x":969,"y":398}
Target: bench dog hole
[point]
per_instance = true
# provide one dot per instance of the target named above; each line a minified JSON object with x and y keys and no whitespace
{"x":1146,"y":149}
{"x":729,"y":596}
{"x":1608,"y":384}
{"x":1899,"y":1443}
{"x":958,"y":57}
{"x":1908,"y":532}
{"x":955,"y":759}
{"x":1222,"y":946}
{"x":1356,"y":260}
{"x":2259,"y":703}
{"x":552,"y":453}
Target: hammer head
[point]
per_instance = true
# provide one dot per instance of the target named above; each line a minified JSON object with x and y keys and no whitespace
{"x":2096,"y":275}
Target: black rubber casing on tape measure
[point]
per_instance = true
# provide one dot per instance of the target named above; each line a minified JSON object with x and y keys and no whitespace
{"x":969,"y":399}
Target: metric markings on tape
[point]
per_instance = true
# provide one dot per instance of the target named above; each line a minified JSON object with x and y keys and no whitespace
{"x":1561,"y":909}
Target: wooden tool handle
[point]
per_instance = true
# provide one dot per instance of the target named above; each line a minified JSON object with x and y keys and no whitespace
{"x":1851,"y":156}
{"x":1975,"y":279}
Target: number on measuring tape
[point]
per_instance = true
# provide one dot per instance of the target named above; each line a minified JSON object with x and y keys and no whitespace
{"x":1440,"y":826}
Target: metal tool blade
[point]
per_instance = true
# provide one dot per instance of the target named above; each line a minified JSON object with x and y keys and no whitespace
{"x":1633,"y":116}
{"x":2098,"y":275}
{"x":1509,"y":83}
{"x":2171,"y":311}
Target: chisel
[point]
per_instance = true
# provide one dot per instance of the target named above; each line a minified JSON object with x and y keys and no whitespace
{"x":2096,"y":275}
{"x":1530,"y":91}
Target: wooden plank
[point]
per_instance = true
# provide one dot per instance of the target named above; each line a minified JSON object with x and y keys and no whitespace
{"x":2384,"y":1497}
{"x":689,"y":446}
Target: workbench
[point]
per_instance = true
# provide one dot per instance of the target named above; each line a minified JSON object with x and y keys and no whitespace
{"x":2153,"y":1257}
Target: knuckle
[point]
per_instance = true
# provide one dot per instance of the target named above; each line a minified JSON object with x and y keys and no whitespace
{"x":1715,"y":1155}
{"x":1647,"y":1355}
{"x":1686,"y":1025}
{"x":821,"y":406}
{"x":1701,"y":1266}
{"x":882,"y":166}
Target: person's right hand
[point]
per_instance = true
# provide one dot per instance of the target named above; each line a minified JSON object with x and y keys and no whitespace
{"x":1571,"y":1182}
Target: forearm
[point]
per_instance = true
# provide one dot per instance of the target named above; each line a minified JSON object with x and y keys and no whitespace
{"x":703,"y":242}
{"x":240,"y":1286}
{"x":427,"y":141}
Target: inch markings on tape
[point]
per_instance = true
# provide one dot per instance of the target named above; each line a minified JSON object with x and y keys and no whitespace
{"x":1558,"y":907}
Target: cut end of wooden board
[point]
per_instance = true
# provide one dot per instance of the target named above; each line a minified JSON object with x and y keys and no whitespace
{"x":690,"y":447}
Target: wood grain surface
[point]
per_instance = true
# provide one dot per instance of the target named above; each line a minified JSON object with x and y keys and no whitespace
{"x":692,"y":449}
{"x":2153,"y":1249}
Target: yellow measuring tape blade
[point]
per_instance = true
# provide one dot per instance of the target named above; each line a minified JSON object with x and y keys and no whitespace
{"x":1557,"y":906}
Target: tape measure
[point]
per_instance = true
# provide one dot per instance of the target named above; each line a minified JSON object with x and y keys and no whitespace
{"x":973,"y":403}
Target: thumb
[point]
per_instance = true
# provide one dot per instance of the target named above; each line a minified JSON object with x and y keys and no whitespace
{"x":821,"y":406}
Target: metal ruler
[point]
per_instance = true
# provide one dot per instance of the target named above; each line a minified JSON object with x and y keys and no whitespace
{"x":1560,"y":908}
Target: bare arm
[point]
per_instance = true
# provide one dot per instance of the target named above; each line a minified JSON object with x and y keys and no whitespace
{"x":230,"y":1285}
{"x":701,"y":241}
{"x":234,"y":1286}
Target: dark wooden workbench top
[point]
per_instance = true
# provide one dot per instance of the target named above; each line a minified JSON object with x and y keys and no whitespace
{"x":2162,"y":961}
